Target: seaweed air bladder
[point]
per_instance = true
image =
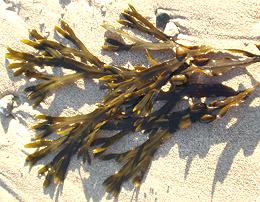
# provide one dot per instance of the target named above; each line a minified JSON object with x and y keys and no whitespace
{"x":132,"y":93}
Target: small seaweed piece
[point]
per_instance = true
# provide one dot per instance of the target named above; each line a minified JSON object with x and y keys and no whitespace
{"x":132,"y":93}
{"x":134,"y":19}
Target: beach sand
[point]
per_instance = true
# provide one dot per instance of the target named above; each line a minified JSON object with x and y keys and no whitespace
{"x":214,"y":162}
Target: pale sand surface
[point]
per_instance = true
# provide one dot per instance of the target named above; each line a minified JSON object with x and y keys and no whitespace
{"x":218,"y":162}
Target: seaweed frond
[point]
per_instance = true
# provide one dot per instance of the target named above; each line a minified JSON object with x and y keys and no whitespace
{"x":132,"y":94}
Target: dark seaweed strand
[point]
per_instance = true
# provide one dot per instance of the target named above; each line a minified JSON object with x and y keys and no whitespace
{"x":128,"y":107}
{"x":56,"y":54}
{"x":40,"y":91}
{"x":66,"y":31}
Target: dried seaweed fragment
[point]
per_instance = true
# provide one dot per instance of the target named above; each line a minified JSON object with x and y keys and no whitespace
{"x":129,"y":104}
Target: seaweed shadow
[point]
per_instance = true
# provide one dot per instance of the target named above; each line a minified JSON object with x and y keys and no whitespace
{"x":198,"y":139}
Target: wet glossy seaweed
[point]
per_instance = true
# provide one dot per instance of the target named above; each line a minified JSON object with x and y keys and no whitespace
{"x":129,"y":105}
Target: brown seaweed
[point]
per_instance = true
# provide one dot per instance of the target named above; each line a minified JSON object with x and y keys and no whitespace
{"x":129,"y":104}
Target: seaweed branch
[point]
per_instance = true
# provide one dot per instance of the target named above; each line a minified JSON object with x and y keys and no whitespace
{"x":129,"y":104}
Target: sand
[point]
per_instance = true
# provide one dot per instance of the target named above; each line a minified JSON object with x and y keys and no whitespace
{"x":215,"y":162}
